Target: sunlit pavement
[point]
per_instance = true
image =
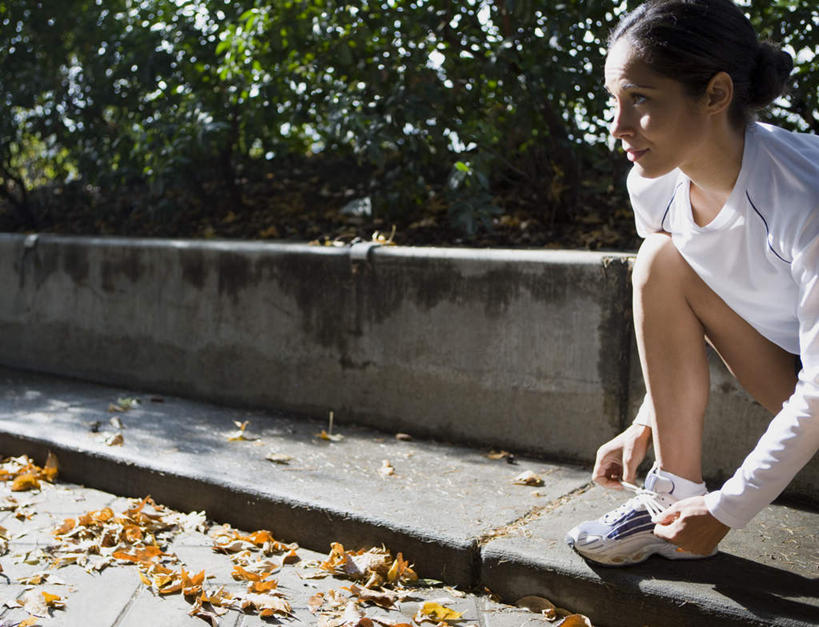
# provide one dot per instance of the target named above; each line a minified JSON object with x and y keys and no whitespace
{"x":459,"y":515}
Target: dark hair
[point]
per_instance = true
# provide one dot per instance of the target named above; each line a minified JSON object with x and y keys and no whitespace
{"x":692,"y":40}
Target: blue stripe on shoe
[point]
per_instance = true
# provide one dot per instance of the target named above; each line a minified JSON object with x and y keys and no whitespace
{"x":631,"y":532}
{"x":630,"y":524}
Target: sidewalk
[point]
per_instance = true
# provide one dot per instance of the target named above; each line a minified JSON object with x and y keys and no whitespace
{"x":115,"y":597}
{"x":452,"y":511}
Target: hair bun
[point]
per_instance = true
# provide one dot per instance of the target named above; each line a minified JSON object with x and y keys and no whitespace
{"x":770,"y":75}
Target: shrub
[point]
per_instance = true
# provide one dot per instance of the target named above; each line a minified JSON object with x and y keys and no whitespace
{"x":481,"y":106}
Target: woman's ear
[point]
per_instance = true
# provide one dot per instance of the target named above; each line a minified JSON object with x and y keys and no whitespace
{"x":719,"y":93}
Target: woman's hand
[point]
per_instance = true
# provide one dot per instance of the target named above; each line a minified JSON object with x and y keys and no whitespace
{"x":689,"y":525}
{"x":618,"y":458}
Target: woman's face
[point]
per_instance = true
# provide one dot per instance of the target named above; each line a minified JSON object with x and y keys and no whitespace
{"x":660,"y":126}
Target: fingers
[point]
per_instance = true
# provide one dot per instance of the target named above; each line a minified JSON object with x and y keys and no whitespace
{"x":607,"y":477}
{"x":629,"y":464}
{"x":690,"y":526}
{"x":668,"y":515}
{"x":607,"y":469}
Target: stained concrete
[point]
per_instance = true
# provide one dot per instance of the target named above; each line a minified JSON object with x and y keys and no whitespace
{"x":530,"y":350}
{"x":451,"y":510}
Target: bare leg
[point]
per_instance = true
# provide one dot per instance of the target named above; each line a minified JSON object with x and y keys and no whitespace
{"x":674,"y":311}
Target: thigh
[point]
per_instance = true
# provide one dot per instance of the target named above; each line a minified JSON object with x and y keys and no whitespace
{"x":763,"y":368}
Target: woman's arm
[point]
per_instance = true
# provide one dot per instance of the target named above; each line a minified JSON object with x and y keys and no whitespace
{"x":792,"y":437}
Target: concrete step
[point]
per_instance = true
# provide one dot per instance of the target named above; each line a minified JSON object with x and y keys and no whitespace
{"x":451,"y":510}
{"x":529,"y":350}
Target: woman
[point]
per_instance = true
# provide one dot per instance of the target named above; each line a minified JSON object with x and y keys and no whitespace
{"x":729,"y":210}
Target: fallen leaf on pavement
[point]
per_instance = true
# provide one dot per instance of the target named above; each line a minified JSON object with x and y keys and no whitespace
{"x":38,"y":602}
{"x":240,"y":573}
{"x":498,"y":454}
{"x":115,"y":440}
{"x":39,"y":578}
{"x":51,"y":468}
{"x":455,"y":592}
{"x":262,"y":586}
{"x":375,"y":565}
{"x":528,"y":478}
{"x":381,"y":598}
{"x":267,"y":604}
{"x":239,"y":434}
{"x":386,"y":469}
{"x":575,"y":620}
{"x":401,"y":570}
{"x":540,"y":605}
{"x":22,"y":483}
{"x":432,"y":612}
{"x":331,"y":437}
{"x":123,"y":404}
{"x":278,"y":458}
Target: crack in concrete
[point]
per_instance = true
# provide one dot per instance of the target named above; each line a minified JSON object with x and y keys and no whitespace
{"x":531,"y":515}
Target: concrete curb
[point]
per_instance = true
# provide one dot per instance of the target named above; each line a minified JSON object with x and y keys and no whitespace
{"x":524,"y":350}
{"x":480,"y":531}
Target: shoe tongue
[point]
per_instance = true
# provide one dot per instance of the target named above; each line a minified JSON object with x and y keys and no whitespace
{"x":658,"y":484}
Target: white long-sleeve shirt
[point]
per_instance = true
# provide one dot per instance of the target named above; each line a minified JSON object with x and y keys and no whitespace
{"x":760,"y":254}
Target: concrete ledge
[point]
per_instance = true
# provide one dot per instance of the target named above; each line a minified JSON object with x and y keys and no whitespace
{"x":526,"y":350}
{"x":517,"y":349}
{"x":452,"y":511}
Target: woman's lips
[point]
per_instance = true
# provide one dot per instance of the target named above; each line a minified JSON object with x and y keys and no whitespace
{"x":634,"y":155}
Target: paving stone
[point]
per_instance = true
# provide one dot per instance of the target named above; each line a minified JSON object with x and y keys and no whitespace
{"x":170,"y":611}
{"x":453,"y":512}
{"x":766,"y":572}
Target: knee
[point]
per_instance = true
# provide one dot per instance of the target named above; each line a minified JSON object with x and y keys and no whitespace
{"x":658,"y":261}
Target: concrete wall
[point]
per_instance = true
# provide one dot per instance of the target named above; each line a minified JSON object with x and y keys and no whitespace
{"x":526,"y":350}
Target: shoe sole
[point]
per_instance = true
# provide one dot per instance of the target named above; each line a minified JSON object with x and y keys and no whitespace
{"x":666,"y":550}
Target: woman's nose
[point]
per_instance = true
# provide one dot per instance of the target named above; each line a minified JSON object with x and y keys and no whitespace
{"x":620,"y":125}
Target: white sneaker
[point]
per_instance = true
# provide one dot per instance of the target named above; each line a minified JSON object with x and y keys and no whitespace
{"x":625,"y":535}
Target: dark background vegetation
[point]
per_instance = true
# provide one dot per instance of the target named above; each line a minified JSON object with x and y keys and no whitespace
{"x":462,"y":122}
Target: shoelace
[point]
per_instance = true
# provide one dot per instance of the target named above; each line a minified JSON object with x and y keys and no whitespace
{"x":646,"y":498}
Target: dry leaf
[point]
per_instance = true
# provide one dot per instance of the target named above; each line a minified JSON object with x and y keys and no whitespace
{"x":291,"y":558}
{"x":123,"y":404}
{"x":25,"y":482}
{"x":404,"y":437}
{"x":528,"y":478}
{"x":540,"y":605}
{"x":383,"y":598}
{"x":498,"y":454}
{"x":31,"y":621}
{"x":575,"y":620}
{"x":331,"y":437}
{"x":386,"y":469}
{"x":239,"y":434}
{"x":315,"y":602}
{"x":262,"y":586}
{"x":278,"y":458}
{"x":240,"y":573}
{"x":51,"y":468}
{"x":401,"y":570}
{"x":267,"y":604}
{"x":115,"y":439}
{"x":433,"y":612}
{"x":38,"y":602}
{"x":116,"y":423}
{"x":140,"y":556}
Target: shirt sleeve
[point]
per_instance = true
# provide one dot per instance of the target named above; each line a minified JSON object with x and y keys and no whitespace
{"x":651,"y":199}
{"x":792,"y":438}
{"x":645,"y":415}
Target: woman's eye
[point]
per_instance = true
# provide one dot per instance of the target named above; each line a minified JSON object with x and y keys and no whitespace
{"x":638,"y":98}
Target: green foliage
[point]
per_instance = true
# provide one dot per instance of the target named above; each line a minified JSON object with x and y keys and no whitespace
{"x":456,"y":102}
